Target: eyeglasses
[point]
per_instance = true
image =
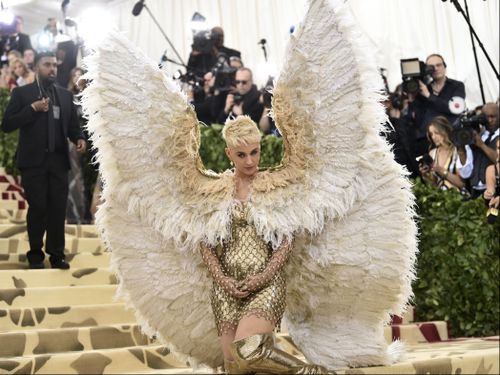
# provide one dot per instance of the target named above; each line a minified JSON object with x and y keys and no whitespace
{"x":237,"y":82}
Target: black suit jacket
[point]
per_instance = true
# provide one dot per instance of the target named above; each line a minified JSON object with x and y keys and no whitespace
{"x":230,"y":52}
{"x":33,"y":129}
{"x":18,"y":42}
{"x":423,"y":110}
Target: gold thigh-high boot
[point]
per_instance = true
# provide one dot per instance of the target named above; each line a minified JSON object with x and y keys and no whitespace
{"x":257,"y":354}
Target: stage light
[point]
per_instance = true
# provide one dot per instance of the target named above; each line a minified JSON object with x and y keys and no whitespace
{"x":198,"y":23}
{"x":94,"y":24}
{"x":6,"y":17}
{"x":44,"y":41}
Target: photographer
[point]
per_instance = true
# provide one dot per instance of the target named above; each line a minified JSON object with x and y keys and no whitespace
{"x":207,"y":45}
{"x":245,"y":100}
{"x":443,"y":165}
{"x":398,"y":135}
{"x":266,"y":123}
{"x":483,"y":150}
{"x":443,"y":97}
{"x":15,"y":39}
{"x":218,"y":37}
{"x":203,"y":101}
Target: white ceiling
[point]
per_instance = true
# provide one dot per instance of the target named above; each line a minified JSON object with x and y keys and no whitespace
{"x":36,"y":12}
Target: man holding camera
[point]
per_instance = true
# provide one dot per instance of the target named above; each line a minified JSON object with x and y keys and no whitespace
{"x":443,"y":97}
{"x":483,"y":150}
{"x":245,"y":100}
{"x":206,"y":47}
{"x":45,"y":115}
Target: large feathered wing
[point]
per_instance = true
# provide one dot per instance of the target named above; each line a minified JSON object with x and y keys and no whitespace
{"x":159,"y":203}
{"x":340,"y":193}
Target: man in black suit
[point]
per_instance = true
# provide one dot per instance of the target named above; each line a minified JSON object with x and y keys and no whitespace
{"x":218,"y":36}
{"x":244,"y":100}
{"x":443,"y":97}
{"x":46,"y":117}
{"x":201,"y":62}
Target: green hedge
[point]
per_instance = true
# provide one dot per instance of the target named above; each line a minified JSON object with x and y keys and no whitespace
{"x":8,"y":142}
{"x":458,"y":264}
{"x":213,"y":155}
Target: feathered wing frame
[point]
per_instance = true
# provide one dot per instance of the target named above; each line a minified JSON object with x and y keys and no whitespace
{"x":339,"y":194}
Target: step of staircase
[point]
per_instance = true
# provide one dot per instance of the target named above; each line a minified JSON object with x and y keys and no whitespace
{"x":20,"y":278}
{"x":106,"y":361}
{"x":57,"y":295}
{"x":75,"y":339}
{"x":79,"y":260}
{"x":64,"y":316}
{"x":11,"y":229}
{"x":20,"y":245}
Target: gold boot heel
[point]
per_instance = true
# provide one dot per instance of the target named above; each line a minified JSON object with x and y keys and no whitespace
{"x":257,"y":354}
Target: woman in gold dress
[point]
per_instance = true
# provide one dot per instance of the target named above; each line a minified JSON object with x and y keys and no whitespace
{"x":249,"y":288}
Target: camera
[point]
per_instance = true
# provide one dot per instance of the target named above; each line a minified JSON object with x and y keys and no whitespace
{"x":397,"y":100}
{"x":237,"y":98}
{"x":223,"y":73}
{"x":465,"y":126}
{"x":426,"y":160}
{"x":193,"y":81}
{"x":203,"y":41}
{"x":267,"y":95}
{"x":413,"y":70}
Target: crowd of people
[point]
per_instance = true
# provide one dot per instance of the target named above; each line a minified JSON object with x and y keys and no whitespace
{"x":221,"y":87}
{"x":425,"y":123}
{"x":437,"y":140}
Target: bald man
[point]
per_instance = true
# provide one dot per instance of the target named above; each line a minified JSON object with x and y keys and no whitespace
{"x":484,"y":149}
{"x":218,"y":35}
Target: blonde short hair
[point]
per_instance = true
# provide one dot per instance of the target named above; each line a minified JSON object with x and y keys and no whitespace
{"x":240,"y":131}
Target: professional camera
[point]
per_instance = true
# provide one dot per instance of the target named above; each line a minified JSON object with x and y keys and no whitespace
{"x":465,"y":126}
{"x":237,"y":98}
{"x":203,"y":41}
{"x":194,"y":82}
{"x":412,"y":71}
{"x":223,"y":73}
{"x":426,"y":160}
{"x":397,"y":100}
{"x":267,"y":95}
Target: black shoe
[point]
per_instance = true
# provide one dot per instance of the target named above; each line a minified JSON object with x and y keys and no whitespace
{"x":37,"y":266}
{"x":61,"y":264}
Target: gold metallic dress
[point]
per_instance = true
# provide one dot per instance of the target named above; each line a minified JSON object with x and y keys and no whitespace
{"x":246,"y":254}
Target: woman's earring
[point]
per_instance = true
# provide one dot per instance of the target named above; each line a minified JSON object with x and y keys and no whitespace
{"x":231,"y":162}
